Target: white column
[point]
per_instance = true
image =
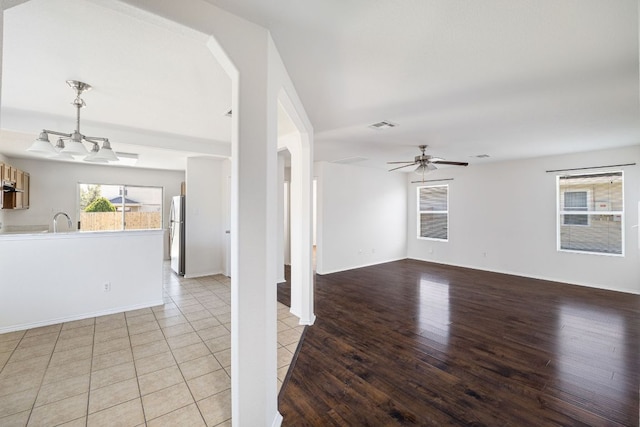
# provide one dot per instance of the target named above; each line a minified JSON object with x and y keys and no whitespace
{"x":253,"y":259}
{"x":308,"y":316}
{"x":281,"y":219}
{"x":303,"y":232}
{"x":300,"y":146}
{"x":254,"y":211}
{"x":301,"y":228}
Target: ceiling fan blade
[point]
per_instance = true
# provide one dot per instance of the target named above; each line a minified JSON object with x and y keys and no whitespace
{"x":444,"y":162}
{"x":408,"y":161}
{"x":400,"y":167}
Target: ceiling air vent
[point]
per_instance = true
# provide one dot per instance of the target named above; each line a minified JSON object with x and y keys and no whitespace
{"x":383,"y":125}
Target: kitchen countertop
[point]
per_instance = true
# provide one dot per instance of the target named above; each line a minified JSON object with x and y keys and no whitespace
{"x":29,"y":235}
{"x":24,"y":229}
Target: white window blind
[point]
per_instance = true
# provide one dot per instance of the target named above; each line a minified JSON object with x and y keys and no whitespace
{"x":433,"y":212}
{"x":576,"y":201}
{"x":591,"y":212}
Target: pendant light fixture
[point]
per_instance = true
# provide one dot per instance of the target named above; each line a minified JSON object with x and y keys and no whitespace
{"x":72,"y":144}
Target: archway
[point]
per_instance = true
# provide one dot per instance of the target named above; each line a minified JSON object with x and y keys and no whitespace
{"x":258,"y":77}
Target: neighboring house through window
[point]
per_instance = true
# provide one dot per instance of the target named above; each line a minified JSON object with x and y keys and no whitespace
{"x":576,"y":201}
{"x":591,"y":213}
{"x":433,"y":212}
{"x":127,"y":207}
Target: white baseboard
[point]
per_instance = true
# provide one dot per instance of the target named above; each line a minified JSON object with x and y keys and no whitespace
{"x":23,"y":326}
{"x":308,"y":322}
{"x":338,"y":270}
{"x":530,"y":276}
{"x":277,"y":421}
{"x":202,"y":274}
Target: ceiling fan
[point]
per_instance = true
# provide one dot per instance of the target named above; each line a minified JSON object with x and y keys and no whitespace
{"x":425,"y":162}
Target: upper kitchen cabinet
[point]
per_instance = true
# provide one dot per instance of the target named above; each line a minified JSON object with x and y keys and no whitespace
{"x":6,"y":172}
{"x":15,"y":187}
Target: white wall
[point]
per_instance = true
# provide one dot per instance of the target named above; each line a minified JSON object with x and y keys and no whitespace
{"x":54,"y":187}
{"x":205,"y":227}
{"x":362,"y":216}
{"x":507,"y":210}
{"x":226,"y":216}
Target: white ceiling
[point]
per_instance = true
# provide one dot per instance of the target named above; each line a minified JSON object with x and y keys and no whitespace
{"x":508,"y":78}
{"x":157,"y":90}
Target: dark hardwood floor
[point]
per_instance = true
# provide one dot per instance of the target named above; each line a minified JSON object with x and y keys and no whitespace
{"x":415,"y":343}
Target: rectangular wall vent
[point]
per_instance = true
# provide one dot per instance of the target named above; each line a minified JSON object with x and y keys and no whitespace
{"x":350,"y":160}
{"x":383,"y":125}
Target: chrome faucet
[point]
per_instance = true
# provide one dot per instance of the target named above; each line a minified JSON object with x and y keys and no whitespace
{"x":55,"y":221}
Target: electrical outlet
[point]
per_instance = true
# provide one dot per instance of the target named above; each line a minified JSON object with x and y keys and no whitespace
{"x":106,"y":287}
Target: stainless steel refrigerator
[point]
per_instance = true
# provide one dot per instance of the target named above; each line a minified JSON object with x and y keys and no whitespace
{"x":177,"y":234}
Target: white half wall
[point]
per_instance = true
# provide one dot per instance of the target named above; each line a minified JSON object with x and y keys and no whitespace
{"x":502,"y":217}
{"x":205,"y":216}
{"x":52,"y":278}
{"x":362,"y":217}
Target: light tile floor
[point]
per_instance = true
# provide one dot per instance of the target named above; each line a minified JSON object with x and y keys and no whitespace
{"x":162,"y":366}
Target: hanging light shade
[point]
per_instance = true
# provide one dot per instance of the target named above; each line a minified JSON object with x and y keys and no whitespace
{"x":42,"y":146}
{"x":106,"y":153}
{"x":74,"y":145}
{"x":60,"y":155}
{"x":93,"y":155}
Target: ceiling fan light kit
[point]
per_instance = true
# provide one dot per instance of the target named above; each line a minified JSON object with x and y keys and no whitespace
{"x":425,"y":163}
{"x":72,"y":144}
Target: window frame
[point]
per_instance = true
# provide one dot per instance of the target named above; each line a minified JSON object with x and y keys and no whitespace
{"x":420,"y":212}
{"x":589,"y":212}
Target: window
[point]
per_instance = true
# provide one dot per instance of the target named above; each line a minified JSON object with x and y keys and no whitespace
{"x":590,"y":213}
{"x":433,"y":212}
{"x":119,"y":207}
